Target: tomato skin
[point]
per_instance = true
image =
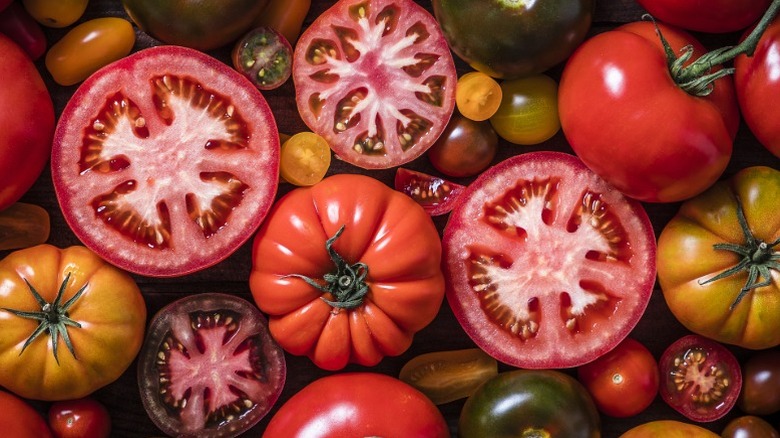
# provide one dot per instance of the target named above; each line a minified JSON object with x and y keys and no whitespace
{"x":378,"y":405}
{"x":686,"y":257}
{"x":749,"y":426}
{"x":668,"y":429}
{"x":20,"y":420}
{"x":436,"y":195}
{"x":761,"y":383}
{"x":528,"y":113}
{"x":80,"y":418}
{"x":56,"y":13}
{"x":465,"y":148}
{"x":23,"y":225}
{"x":717,"y":16}
{"x":644,"y":134}
{"x":17,"y":24}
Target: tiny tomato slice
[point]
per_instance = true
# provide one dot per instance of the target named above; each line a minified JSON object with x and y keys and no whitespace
{"x":436,"y":195}
{"x":209,"y":367}
{"x":700,"y":378}
{"x":79,"y":418}
{"x":264,"y":56}
{"x":376,"y":79}
{"x":305,"y":159}
{"x":477,"y":96}
{"x":166,"y":161}
{"x":547,"y":265}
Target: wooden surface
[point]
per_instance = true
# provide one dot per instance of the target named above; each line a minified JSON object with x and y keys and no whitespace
{"x":656,"y":330}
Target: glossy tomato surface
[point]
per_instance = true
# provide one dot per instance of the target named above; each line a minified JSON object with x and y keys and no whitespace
{"x":749,"y":426}
{"x":348,"y":270}
{"x":358,"y":404}
{"x":630,"y":123}
{"x":761,"y":383}
{"x":376,"y":79}
{"x":55,"y":13}
{"x":20,"y":420}
{"x":465,"y":148}
{"x":668,"y":429}
{"x":166,"y":161}
{"x":547,"y":266}
{"x":712,"y":16}
{"x":79,"y":418}
{"x":18,"y":25}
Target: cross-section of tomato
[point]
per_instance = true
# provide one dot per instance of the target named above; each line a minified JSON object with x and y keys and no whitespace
{"x":376,"y":79}
{"x":166,"y":161}
{"x":547,"y":265}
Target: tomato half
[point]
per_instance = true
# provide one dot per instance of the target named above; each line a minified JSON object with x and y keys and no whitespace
{"x":547,"y":266}
{"x":477,"y":96}
{"x":166,"y":161}
{"x":376,"y":79}
{"x":80,"y":418}
{"x":264,"y":56}
{"x":71,"y":322}
{"x":436,"y":195}
{"x":668,"y":429}
{"x":357,"y":405}
{"x":717,"y":260}
{"x":761,"y":383}
{"x":209,"y":367}
{"x":20,"y":420}
{"x":348,"y":270}
{"x":712,"y":16}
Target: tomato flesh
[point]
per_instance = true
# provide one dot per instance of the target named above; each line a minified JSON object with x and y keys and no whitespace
{"x":264,"y":56}
{"x":436,"y":195}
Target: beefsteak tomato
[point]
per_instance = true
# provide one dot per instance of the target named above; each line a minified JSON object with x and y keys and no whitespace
{"x":717,"y":16}
{"x":376,"y":79}
{"x":20,"y":420}
{"x":718,"y":261}
{"x":347,"y":270}
{"x":166,"y":161}
{"x":91,"y":315}
{"x":547,"y":265}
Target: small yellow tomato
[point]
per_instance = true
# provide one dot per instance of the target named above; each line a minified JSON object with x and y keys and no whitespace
{"x":305,"y":159}
{"x":56,"y":13}
{"x":528,"y":113}
{"x":88,"y":47}
{"x":477,"y":96}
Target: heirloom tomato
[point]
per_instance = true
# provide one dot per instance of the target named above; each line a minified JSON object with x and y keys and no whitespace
{"x":56,"y":13}
{"x":631,"y":123}
{"x":749,"y":426}
{"x":376,"y":79}
{"x":528,"y":113}
{"x":710,"y":16}
{"x":71,"y":322}
{"x":348,"y":270}
{"x":668,"y":429}
{"x":26,"y":123}
{"x":285,"y":17}
{"x":718,"y":261}
{"x":17,"y":24}
{"x":357,"y":405}
{"x":547,"y":265}
{"x":79,"y":418}
{"x":166,"y":161}
{"x":436,"y":195}
{"x":20,"y":420}
{"x":761,"y":383}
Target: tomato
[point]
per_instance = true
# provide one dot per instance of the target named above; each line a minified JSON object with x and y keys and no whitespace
{"x":624,"y":381}
{"x":23,"y":225}
{"x":529,"y":403}
{"x":465,"y":148}
{"x":199,"y":24}
{"x":4,"y":4}
{"x":668,"y":429}
{"x":264,"y":56}
{"x":528,"y":113}
{"x":711,"y":285}
{"x":166,"y":161}
{"x":761,"y":383}
{"x":715,"y":16}
{"x":357,"y":405}
{"x":285,"y":17}
{"x":445,"y":376}
{"x":510,"y":39}
{"x":80,"y":418}
{"x":305,"y":159}
{"x":376,"y":79}
{"x":209,"y":367}
{"x":26,"y":123}
{"x":348,"y":270}
{"x":92,"y":315}
{"x":749,"y":427}
{"x":547,"y":266}
{"x":88,"y":47}
{"x":700,"y":378}
{"x":56,"y":13}
{"x":477,"y":96}
{"x":20,"y":420}
{"x":17,"y":24}
{"x":629,"y":121}
{"x":436,"y":195}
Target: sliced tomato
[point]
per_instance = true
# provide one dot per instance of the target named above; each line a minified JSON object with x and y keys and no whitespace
{"x":166,"y":161}
{"x":376,"y":79}
{"x":547,"y":265}
{"x":436,"y":195}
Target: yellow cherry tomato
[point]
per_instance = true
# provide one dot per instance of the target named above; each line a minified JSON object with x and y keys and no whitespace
{"x":55,"y":13}
{"x":89,"y":46}
{"x":477,"y":96}
{"x":528,"y":113}
{"x":305,"y":159}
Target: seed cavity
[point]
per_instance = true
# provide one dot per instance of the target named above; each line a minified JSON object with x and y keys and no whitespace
{"x":424,"y":61}
{"x":212,"y":214}
{"x":320,"y":50}
{"x":389,"y":16}
{"x":410,"y":133}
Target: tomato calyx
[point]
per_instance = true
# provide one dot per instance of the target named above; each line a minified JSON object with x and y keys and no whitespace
{"x":347,"y":283}
{"x":758,"y":257}
{"x":53,"y":317}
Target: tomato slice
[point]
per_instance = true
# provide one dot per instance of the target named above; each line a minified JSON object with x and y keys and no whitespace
{"x":547,"y":265}
{"x":166,"y":161}
{"x":436,"y":195}
{"x":264,"y":56}
{"x":376,"y":79}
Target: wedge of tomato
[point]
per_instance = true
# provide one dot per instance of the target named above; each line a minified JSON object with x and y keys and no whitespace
{"x":547,"y":265}
{"x":436,"y":195}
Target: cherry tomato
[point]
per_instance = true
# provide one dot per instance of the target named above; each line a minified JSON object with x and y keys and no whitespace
{"x":528,"y":113}
{"x":761,"y":383}
{"x":23,"y":225}
{"x":285,"y":17}
{"x":749,"y":426}
{"x":80,"y":418}
{"x":89,"y":46}
{"x":436,"y":195}
{"x":623,"y":382}
{"x":465,"y":148}
{"x":264,"y":56}
{"x":56,"y":13}
{"x":17,"y":24}
{"x":712,"y":16}
{"x":305,"y":159}
{"x":477,"y":96}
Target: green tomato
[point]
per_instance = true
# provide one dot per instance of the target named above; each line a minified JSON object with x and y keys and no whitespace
{"x":528,"y":113}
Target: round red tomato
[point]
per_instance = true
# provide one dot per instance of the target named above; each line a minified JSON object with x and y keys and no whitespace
{"x":166,"y":161}
{"x":629,"y":121}
{"x":348,"y":270}
{"x":20,"y":420}
{"x":376,"y":79}
{"x":623,"y":382}
{"x":80,"y":418}
{"x":209,"y":367}
{"x":711,"y":16}
{"x":358,"y":405}
{"x":26,"y":123}
{"x":547,"y":266}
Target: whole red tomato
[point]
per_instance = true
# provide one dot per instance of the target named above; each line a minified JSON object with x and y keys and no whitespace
{"x":630,"y":122}
{"x":20,"y":420}
{"x":79,"y":418}
{"x":707,"y":16}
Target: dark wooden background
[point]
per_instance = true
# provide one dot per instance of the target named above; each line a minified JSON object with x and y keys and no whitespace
{"x":656,"y":330}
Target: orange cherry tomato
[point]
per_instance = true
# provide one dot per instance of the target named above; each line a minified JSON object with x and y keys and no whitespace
{"x":477,"y":96}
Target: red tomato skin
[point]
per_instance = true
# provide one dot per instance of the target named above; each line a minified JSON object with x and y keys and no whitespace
{"x":80,"y":418}
{"x":20,"y":420}
{"x":16,"y":23}
{"x":653,"y":141}
{"x":378,"y":405}
{"x":714,"y":16}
